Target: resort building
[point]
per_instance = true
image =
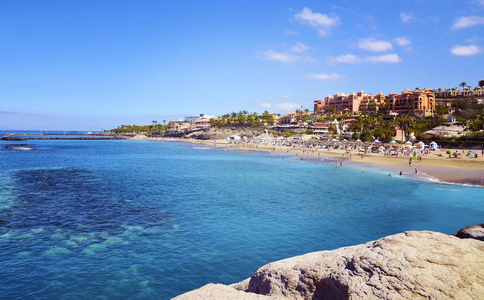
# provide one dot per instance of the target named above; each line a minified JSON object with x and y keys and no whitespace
{"x":319,"y":105}
{"x":414,"y":102}
{"x":372,"y":103}
{"x":288,"y":119}
{"x":204,"y":123}
{"x":179,"y":125}
{"x":466,"y":92}
{"x":192,"y":119}
{"x":345,"y":103}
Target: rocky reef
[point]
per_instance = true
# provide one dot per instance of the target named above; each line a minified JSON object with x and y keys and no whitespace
{"x":409,"y":265}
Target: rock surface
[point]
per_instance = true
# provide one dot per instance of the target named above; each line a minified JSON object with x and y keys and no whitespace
{"x":409,"y":265}
{"x":472,"y":232}
{"x":223,"y":133}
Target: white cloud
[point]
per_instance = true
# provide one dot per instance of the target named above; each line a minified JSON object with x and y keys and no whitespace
{"x":322,"y":22}
{"x":406,"y":17}
{"x":296,"y":53}
{"x":374,"y":45}
{"x":466,"y":50}
{"x":330,"y":77}
{"x":283,"y":107}
{"x":353,"y":59}
{"x":474,"y":39}
{"x":402,"y":41}
{"x":386,"y":58}
{"x":464,"y":22}
{"x":280,"y":56}
{"x":299,"y":48}
{"x":346,"y":58}
{"x":291,"y":32}
{"x":287,"y":106}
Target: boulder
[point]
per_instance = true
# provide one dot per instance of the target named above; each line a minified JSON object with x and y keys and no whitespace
{"x":409,"y":265}
{"x":472,"y":232}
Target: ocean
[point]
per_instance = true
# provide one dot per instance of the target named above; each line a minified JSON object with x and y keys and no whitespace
{"x":151,"y":220}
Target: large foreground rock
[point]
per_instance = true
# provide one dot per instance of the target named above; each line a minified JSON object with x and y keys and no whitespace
{"x":409,"y":265}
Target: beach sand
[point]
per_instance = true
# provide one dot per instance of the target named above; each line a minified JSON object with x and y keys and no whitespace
{"x":463,"y":170}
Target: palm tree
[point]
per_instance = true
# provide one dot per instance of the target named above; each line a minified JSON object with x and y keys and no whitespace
{"x":404,"y":122}
{"x":463,"y":84}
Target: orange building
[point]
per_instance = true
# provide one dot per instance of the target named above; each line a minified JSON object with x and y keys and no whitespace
{"x":416,"y":102}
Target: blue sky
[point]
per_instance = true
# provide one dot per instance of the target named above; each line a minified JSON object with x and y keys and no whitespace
{"x":92,"y":65}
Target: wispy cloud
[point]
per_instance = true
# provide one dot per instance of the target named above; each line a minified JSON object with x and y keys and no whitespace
{"x":474,"y":39}
{"x":322,"y":76}
{"x":403,"y":41}
{"x":300,"y":48}
{"x":354,"y":59}
{"x":280,"y":106}
{"x":387,"y":58}
{"x":374,"y":45}
{"x":464,"y":22}
{"x":322,"y":22}
{"x":284,"y":96}
{"x":346,"y":59}
{"x":405,"y":17}
{"x":291,"y":32}
{"x":294,"y":54}
{"x":466,"y":50}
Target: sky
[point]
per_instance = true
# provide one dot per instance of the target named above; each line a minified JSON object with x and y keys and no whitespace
{"x":95,"y":65}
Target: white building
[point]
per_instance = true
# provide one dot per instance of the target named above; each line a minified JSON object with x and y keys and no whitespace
{"x":192,"y":119}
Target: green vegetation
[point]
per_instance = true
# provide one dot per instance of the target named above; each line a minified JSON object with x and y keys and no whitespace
{"x":151,"y":130}
{"x":243,"y":118}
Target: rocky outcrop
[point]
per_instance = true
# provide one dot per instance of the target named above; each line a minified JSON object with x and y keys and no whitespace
{"x":223,"y":133}
{"x":409,"y":265}
{"x":472,"y":232}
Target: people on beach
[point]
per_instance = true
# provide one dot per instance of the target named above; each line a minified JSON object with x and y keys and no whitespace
{"x":416,"y":171}
{"x":401,"y":172}
{"x":389,"y":175}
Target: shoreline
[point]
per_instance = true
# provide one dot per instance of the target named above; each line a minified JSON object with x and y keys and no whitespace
{"x":463,"y":171}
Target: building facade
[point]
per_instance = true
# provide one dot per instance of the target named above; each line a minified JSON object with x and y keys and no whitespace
{"x":414,"y":102}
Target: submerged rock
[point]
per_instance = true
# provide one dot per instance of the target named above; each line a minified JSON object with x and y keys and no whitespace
{"x":409,"y":265}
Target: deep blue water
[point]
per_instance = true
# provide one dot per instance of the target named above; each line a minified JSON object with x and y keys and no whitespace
{"x":151,"y":220}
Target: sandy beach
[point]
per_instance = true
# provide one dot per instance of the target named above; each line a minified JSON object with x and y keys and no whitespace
{"x":437,"y":164}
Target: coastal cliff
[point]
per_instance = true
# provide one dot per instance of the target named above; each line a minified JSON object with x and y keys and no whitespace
{"x":409,"y":265}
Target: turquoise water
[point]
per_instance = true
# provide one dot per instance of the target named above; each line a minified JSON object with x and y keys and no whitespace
{"x":151,"y":220}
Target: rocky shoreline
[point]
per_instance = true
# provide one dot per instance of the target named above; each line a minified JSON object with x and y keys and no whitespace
{"x":408,"y":265}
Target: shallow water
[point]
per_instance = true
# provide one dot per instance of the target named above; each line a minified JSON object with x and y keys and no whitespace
{"x":151,"y":220}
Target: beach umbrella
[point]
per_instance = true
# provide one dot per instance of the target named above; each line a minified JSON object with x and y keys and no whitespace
{"x":334,"y":140}
{"x":358,"y":141}
{"x":393,"y":143}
